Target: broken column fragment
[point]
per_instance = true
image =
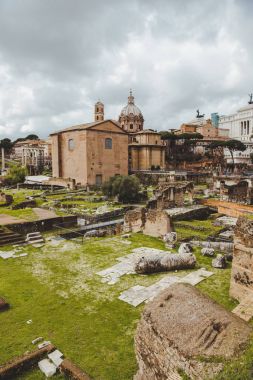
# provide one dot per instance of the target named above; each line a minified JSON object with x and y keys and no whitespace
{"x":184,"y":331}
{"x":165,"y":262}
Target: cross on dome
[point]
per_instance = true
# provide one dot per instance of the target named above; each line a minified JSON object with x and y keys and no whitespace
{"x":131,"y":97}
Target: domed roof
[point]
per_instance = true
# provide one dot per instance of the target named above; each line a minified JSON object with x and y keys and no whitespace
{"x":131,"y":108}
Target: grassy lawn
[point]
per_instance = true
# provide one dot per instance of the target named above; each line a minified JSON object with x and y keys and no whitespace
{"x":20,"y":196}
{"x":57,"y":287}
{"x":196,"y":229}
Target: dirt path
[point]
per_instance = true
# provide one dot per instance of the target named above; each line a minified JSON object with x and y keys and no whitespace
{"x":44,"y":214}
{"x":8,"y":219}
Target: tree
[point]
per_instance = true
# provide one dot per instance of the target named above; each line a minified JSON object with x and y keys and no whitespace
{"x":29,"y":137}
{"x":32,"y":137}
{"x":217,"y":153}
{"x":16,"y":175}
{"x":6,"y":144}
{"x":126,"y":188}
{"x":111,"y":187}
{"x":232,"y":146}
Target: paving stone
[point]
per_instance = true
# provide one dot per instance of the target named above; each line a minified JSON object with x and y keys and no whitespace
{"x":20,"y":255}
{"x":138,"y":294}
{"x":7,"y":255}
{"x":126,"y":264}
{"x":56,"y":357}
{"x":195,"y":277}
{"x":48,"y":368}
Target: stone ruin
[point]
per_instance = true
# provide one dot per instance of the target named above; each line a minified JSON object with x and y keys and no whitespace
{"x":240,"y":192}
{"x":241,"y":284}
{"x":5,"y":199}
{"x":163,"y":262}
{"x":170,"y":194}
{"x":151,"y":222}
{"x":182,"y":331}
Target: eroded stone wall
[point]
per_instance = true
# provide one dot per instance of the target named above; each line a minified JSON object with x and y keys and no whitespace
{"x":151,"y":222}
{"x":184,"y":331}
{"x":134,"y":220}
{"x":241,"y":284}
{"x":157,"y":223}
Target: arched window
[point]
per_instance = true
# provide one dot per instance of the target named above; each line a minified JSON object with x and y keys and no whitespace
{"x":71,"y":144}
{"x":131,"y":126}
{"x":108,"y":143}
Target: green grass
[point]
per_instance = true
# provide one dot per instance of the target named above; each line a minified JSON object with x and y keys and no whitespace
{"x":196,"y":229}
{"x":20,"y":196}
{"x":84,"y":203}
{"x":57,"y":287}
{"x":70,"y":306}
{"x":25,"y":213}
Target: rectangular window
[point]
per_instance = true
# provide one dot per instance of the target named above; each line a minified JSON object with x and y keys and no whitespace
{"x":71,"y":144}
{"x":108,"y":143}
{"x":98,"y":179}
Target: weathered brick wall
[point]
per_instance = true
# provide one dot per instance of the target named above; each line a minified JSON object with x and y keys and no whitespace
{"x":241,"y":284}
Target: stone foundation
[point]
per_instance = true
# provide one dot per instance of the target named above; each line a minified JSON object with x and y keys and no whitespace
{"x":23,"y":363}
{"x":184,"y":331}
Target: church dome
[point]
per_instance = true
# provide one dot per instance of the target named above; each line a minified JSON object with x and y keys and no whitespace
{"x":131,"y":118}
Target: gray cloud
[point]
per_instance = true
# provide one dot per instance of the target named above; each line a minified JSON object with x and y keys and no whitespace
{"x":57,"y":58}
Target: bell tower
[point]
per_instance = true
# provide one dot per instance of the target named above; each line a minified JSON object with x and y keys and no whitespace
{"x":99,"y":111}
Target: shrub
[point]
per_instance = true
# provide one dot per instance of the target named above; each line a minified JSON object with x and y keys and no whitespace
{"x":126,"y":188}
{"x":16,"y":175}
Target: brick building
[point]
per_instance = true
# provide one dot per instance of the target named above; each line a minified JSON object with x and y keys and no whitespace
{"x":90,"y":153}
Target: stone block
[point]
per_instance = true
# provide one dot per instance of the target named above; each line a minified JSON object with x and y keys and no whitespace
{"x":219,"y":262}
{"x":56,"y":357}
{"x":47,"y":367}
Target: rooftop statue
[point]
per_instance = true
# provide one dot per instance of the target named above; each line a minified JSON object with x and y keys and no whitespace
{"x":199,"y":115}
{"x":250,"y":98}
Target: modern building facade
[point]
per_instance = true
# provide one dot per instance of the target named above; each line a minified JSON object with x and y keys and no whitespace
{"x":240,"y":125}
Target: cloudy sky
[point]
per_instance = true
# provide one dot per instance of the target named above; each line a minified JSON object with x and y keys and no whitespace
{"x":58,"y":57}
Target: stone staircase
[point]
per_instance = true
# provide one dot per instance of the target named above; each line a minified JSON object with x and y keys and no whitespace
{"x":34,"y":238}
{"x":8,"y":237}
